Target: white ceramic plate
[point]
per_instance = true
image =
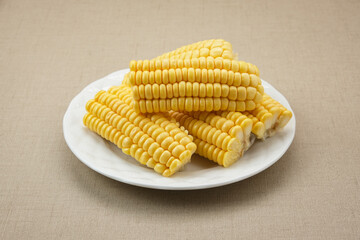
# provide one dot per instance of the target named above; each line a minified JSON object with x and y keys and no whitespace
{"x":105,"y":158}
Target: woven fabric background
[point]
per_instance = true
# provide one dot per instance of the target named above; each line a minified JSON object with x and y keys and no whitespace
{"x":50,"y":50}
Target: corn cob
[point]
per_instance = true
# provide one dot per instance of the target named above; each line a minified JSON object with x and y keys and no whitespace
{"x":268,"y":117}
{"x":190,"y":89}
{"x":213,"y":47}
{"x":164,"y":148}
{"x":216,"y":138}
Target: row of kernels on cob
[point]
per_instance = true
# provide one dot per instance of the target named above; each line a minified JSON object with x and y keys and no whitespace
{"x":164,"y":147}
{"x":190,"y":104}
{"x":213,"y":47}
{"x":188,"y":89}
{"x":194,"y":75}
{"x":209,"y":63}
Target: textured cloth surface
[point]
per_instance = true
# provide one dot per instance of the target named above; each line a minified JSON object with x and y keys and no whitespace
{"x":50,"y":50}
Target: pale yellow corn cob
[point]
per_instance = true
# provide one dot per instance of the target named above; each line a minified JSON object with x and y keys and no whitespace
{"x":213,"y":47}
{"x":216,"y":138}
{"x":268,"y":117}
{"x":164,"y":148}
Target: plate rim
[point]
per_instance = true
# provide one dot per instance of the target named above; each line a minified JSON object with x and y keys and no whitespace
{"x":166,"y":187}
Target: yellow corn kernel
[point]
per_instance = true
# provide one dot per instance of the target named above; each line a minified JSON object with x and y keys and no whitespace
{"x":216,"y":52}
{"x":210,"y":64}
{"x":217,"y":90}
{"x":209,"y":104}
{"x":181,"y":103}
{"x":243,"y":67}
{"x":210,"y":76}
{"x":245,"y":79}
{"x":251,"y":92}
{"x":230,"y":78}
{"x":169,"y":91}
{"x":258,"y":97}
{"x":216,"y":104}
{"x":209,"y":90}
{"x":198,"y":75}
{"x":202,"y":90}
{"x":162,"y":91}
{"x":241,"y":93}
{"x":224,"y":104}
{"x":223,"y":76}
{"x":155,"y":90}
{"x":224,"y":90}
{"x":188,"y":104}
{"x":196,"y":104}
{"x":232,"y":93}
{"x":249,"y":105}
{"x":148,"y":92}
{"x":145,"y":77}
{"x":204,"y":76}
{"x":182,"y":89}
{"x":195,"y":89}
{"x":260,"y":88}
{"x":191,"y":74}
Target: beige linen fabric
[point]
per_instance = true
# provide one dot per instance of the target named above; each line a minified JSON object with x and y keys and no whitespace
{"x":50,"y":50}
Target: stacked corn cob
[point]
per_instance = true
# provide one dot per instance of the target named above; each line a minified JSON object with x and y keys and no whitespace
{"x":197,"y":98}
{"x":155,"y":142}
{"x":198,"y":77}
